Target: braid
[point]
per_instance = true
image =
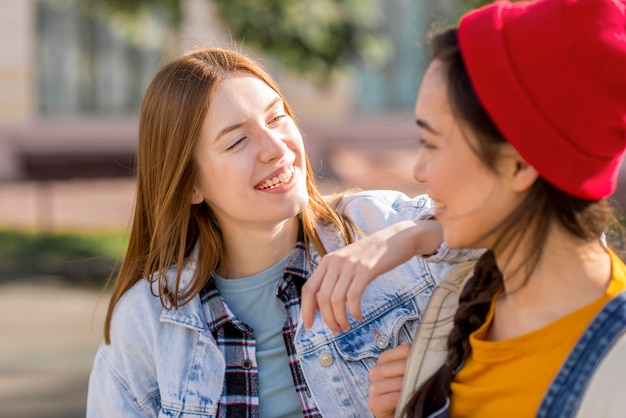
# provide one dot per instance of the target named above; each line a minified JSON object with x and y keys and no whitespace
{"x":474,"y":303}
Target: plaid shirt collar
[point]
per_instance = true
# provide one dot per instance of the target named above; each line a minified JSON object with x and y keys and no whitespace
{"x":240,"y":397}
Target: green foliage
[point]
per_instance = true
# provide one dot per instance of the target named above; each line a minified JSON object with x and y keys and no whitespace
{"x":473,"y":4}
{"x":79,"y":258}
{"x":170,"y":9}
{"x":312,"y":37}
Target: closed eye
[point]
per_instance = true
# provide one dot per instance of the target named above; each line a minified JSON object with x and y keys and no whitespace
{"x":237,"y":142}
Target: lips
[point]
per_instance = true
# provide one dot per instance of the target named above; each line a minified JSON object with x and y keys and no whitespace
{"x":439,"y":208}
{"x":276,"y":179}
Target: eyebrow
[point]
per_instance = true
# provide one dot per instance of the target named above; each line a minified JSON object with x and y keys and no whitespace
{"x":240,"y":124}
{"x":424,"y":125}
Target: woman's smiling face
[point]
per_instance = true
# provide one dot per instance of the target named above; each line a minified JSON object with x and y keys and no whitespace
{"x":249,"y":159}
{"x":470,"y":198}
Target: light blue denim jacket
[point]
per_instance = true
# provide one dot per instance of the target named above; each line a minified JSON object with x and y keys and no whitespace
{"x":165,"y":363}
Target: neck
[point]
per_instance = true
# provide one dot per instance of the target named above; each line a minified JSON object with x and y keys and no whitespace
{"x":570,"y":274}
{"x":566,"y":263}
{"x":251,"y":249}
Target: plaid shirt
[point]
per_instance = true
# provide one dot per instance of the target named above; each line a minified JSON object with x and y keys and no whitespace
{"x":240,"y":397}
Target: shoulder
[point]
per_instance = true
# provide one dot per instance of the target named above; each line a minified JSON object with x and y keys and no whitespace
{"x":135,"y":318}
{"x":375,"y":209}
{"x":385,"y":198}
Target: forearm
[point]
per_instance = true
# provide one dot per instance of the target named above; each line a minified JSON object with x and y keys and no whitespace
{"x":421,"y":237}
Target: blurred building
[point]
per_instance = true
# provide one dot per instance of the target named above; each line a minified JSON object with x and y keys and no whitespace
{"x":71,"y":84}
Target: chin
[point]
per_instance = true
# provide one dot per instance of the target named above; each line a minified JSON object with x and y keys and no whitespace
{"x":454,"y":241}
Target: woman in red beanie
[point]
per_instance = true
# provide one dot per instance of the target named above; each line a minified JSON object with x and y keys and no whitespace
{"x":522,"y":117}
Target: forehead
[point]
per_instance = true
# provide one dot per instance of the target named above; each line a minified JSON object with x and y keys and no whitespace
{"x":237,"y":99}
{"x":241,"y":90}
{"x":433,"y":93}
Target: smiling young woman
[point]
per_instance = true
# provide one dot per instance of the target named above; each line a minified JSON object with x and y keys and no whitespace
{"x":524,"y":132}
{"x":205,"y":318}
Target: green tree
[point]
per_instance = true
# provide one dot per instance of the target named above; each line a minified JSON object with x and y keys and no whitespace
{"x":314,"y":38}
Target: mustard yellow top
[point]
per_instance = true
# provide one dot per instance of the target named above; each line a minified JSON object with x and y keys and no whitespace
{"x":510,"y":377}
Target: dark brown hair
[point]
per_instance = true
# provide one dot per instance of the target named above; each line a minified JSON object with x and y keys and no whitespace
{"x":543,"y":205}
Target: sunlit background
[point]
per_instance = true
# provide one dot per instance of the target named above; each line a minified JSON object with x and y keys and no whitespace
{"x":72,"y":76}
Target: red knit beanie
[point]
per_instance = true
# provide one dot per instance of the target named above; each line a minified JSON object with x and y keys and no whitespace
{"x":551,"y":74}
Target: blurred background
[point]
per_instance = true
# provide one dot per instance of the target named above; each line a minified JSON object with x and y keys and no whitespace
{"x":72,"y":76}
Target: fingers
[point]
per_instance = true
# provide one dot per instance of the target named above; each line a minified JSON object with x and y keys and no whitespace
{"x":309,"y":296}
{"x":386,"y":381}
{"x":331,"y":300}
{"x":383,"y":406}
{"x":335,"y":283}
{"x":353,"y":296}
{"x":398,"y":354}
{"x":325,"y":306}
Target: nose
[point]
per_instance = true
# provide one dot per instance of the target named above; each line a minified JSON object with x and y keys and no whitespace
{"x":272,"y":145}
{"x":419,"y":169}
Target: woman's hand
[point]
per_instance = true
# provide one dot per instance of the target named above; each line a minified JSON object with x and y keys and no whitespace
{"x":343,"y":275}
{"x":386,"y":381}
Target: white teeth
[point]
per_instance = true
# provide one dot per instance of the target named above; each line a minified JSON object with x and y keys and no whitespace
{"x":275,"y":181}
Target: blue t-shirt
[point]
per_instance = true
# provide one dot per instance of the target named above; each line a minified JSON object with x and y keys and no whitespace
{"x":253,"y":301}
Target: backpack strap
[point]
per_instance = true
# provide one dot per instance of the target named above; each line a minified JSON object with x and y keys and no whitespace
{"x":566,"y":391}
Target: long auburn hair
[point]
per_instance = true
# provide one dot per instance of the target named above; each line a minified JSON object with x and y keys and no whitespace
{"x":543,"y":205}
{"x":166,"y":226}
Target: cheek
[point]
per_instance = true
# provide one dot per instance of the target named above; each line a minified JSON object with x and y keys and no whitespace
{"x":442,"y":176}
{"x":297,"y":146}
{"x":216,"y":177}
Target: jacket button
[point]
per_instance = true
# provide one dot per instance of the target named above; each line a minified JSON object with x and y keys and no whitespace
{"x":382,"y":342}
{"x":246,"y":364}
{"x":326,"y":359}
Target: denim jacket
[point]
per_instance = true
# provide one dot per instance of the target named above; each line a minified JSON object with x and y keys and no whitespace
{"x":165,"y":362}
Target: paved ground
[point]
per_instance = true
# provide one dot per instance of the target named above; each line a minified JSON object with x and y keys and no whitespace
{"x":49,"y":334}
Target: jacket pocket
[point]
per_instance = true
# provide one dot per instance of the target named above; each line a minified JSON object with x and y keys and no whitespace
{"x":370,"y":337}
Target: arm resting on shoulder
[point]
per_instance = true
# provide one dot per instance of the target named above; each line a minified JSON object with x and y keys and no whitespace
{"x":343,"y":275}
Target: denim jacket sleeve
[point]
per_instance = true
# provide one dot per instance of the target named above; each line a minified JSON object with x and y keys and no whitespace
{"x":160,"y":363}
{"x":123,"y":378}
{"x":110,"y":396}
{"x":377,"y":209}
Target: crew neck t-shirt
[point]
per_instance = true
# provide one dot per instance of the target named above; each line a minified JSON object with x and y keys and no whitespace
{"x":254,"y":302}
{"x":510,"y":377}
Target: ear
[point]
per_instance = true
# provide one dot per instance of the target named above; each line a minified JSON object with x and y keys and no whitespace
{"x":518,"y":173}
{"x":196,"y":197}
{"x":524,"y":175}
